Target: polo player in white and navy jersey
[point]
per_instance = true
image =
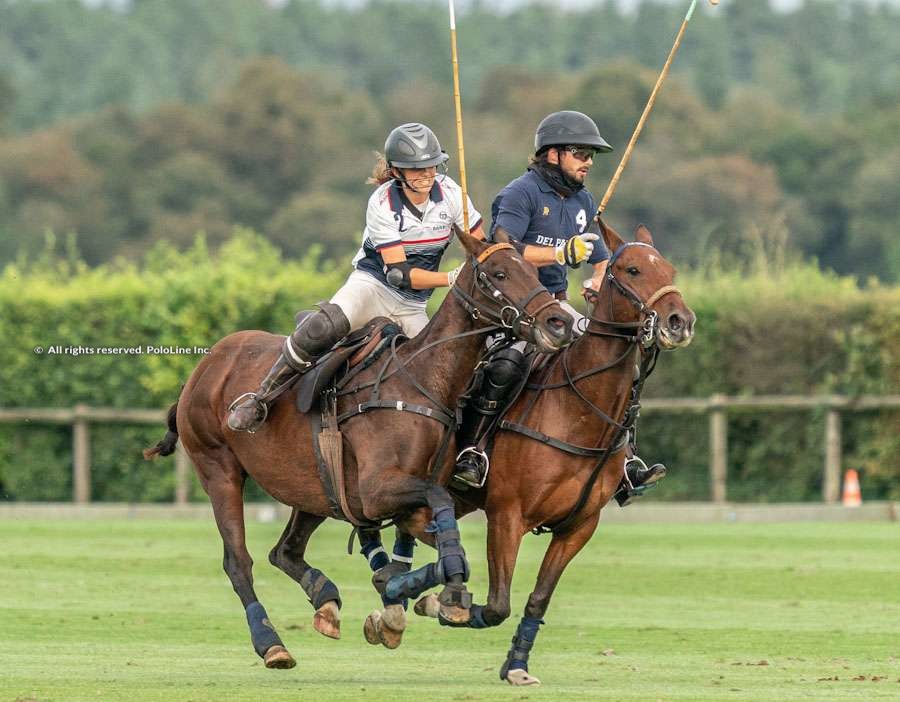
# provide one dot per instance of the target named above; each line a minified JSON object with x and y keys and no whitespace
{"x":421,"y":232}
{"x":409,"y":224}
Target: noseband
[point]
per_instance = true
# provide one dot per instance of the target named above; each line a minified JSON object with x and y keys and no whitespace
{"x":508,"y":313}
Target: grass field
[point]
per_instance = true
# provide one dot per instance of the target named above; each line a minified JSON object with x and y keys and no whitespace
{"x":141,"y":610}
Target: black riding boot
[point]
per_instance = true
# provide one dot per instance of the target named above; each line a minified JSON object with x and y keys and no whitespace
{"x":639,"y":479}
{"x":472,"y":463}
{"x":313,"y":337}
{"x":502,"y":374}
{"x":249,"y":411}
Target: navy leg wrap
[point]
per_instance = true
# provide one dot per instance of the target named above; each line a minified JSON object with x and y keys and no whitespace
{"x":401,"y":557}
{"x":412,"y":584}
{"x":517,"y":657}
{"x":318,"y":588}
{"x":388,"y":601}
{"x":374,"y":552}
{"x":451,"y":556}
{"x":476,"y":621}
{"x":404,"y":544}
{"x":262,"y":633}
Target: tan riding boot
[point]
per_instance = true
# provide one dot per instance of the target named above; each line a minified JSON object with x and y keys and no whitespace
{"x":249,"y":411}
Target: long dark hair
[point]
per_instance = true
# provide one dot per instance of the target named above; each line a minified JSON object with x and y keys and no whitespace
{"x":540,"y":158}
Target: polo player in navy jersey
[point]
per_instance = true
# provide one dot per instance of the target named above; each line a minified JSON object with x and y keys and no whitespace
{"x":549,"y":214}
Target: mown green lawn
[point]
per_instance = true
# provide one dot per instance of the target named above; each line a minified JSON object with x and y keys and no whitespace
{"x":141,"y":610}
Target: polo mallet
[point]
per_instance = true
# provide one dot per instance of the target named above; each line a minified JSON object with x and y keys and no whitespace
{"x":459,"y":130}
{"x":607,"y":196}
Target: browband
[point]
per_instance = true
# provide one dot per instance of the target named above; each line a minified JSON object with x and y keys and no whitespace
{"x":493,"y":249}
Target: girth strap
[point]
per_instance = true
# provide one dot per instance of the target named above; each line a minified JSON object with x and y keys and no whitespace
{"x":401,"y":406}
{"x":563,"y":526}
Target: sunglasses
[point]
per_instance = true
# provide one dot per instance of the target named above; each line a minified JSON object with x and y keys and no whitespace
{"x":582,"y":153}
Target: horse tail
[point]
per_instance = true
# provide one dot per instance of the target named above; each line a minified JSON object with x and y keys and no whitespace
{"x":167,"y":445}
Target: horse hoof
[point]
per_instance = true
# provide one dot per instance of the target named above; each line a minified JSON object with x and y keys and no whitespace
{"x":327,"y":620}
{"x":392,"y":626}
{"x":518,"y":677}
{"x":454,"y":614}
{"x":428,"y":606}
{"x":370,"y":628}
{"x":278,"y":657}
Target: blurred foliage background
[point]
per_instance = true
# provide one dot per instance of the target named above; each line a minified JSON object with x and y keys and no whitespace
{"x":769,"y":172}
{"x":151,"y":120}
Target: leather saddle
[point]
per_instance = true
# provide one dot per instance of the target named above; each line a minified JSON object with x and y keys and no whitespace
{"x":361,"y":346}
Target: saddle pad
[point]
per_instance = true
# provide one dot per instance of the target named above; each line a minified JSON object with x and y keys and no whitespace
{"x":349,"y":352}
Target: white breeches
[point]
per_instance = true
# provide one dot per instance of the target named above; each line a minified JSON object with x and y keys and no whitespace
{"x":363,"y":297}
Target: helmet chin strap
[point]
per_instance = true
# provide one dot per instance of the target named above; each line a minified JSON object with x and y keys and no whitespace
{"x":397,"y":173}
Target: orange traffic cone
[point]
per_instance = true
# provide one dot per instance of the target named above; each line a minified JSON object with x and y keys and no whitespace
{"x":852,"y":497}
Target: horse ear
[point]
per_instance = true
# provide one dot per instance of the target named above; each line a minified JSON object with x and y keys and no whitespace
{"x":643,"y":235}
{"x":610,"y":236}
{"x":469,"y":242}
{"x":500,"y":236}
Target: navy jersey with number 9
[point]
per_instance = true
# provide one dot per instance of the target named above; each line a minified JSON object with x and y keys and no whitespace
{"x":531,"y":211}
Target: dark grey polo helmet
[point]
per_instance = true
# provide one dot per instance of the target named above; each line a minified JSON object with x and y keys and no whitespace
{"x":413,"y":145}
{"x":568,"y":128}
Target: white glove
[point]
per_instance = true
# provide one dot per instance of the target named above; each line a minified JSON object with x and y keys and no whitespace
{"x":454,"y":274}
{"x":576,"y":250}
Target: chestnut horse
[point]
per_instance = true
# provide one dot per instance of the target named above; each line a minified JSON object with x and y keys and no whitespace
{"x":579,"y":404}
{"x":386,"y":453}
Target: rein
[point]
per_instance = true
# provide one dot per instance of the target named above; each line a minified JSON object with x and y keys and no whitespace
{"x":509,"y":316}
{"x":644,"y":340}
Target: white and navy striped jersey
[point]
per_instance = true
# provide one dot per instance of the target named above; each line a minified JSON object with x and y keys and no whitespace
{"x":424,"y":233}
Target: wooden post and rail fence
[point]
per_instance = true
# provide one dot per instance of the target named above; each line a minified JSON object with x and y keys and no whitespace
{"x":715,"y":407}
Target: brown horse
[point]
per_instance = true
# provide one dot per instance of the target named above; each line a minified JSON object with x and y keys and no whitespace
{"x":559,"y":455}
{"x":386,"y":453}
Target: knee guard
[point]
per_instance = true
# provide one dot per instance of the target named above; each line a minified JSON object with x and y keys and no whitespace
{"x":503,"y":372}
{"x":506,"y":368}
{"x":315,"y":335}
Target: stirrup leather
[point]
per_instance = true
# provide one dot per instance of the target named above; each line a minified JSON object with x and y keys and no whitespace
{"x":484,"y":464}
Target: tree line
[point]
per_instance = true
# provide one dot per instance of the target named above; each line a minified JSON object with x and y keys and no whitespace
{"x":125,"y":125}
{"x":64,"y":57}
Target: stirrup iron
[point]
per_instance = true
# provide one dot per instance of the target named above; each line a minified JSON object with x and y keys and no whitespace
{"x":259,"y":403}
{"x":628,"y":491}
{"x":484,"y":464}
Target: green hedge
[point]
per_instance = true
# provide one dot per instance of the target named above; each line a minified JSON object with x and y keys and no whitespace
{"x":792,"y":331}
{"x":188,"y":299}
{"x":795,"y":331}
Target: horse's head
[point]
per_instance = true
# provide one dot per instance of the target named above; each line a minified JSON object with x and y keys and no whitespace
{"x":498,"y":287}
{"x":641,"y":289}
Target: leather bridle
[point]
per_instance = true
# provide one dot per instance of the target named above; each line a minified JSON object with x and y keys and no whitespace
{"x":648,"y":323}
{"x":508,"y":314}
